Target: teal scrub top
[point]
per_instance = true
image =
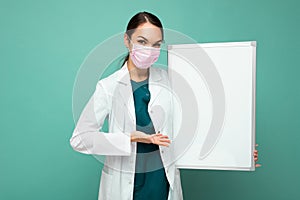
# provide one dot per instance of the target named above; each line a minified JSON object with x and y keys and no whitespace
{"x":150,"y":181}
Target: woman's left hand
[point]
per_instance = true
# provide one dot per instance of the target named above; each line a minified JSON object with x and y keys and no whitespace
{"x":256,"y":157}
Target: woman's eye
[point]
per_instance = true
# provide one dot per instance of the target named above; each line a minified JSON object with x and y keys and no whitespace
{"x":142,"y":42}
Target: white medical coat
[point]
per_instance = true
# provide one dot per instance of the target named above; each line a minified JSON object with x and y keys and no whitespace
{"x":113,"y":98}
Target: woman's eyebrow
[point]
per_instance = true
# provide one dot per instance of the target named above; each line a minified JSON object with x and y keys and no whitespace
{"x":147,"y":40}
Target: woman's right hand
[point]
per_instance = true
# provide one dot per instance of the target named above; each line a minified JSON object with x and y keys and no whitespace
{"x":158,"y":138}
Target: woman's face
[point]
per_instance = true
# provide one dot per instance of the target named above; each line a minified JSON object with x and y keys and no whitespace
{"x":146,"y":34}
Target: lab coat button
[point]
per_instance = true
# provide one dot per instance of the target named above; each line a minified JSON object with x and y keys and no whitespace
{"x":129,"y":182}
{"x":162,"y":151}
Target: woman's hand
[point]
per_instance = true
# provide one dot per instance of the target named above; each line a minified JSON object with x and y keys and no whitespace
{"x":256,"y":157}
{"x":158,"y":138}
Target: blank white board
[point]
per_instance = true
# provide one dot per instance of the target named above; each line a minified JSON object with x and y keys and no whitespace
{"x":233,"y":66}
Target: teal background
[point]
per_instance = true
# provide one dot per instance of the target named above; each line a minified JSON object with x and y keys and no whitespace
{"x":43,"y":44}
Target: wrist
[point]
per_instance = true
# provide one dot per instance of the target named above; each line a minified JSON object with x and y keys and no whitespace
{"x":132,"y":137}
{"x":138,"y":136}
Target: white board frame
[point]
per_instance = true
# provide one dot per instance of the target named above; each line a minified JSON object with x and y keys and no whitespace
{"x":251,"y":44}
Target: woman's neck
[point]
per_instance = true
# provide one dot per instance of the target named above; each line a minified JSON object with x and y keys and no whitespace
{"x":136,"y":74}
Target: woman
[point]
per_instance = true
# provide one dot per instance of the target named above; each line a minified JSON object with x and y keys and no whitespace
{"x":136,"y":99}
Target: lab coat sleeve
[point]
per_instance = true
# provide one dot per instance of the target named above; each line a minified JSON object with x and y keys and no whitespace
{"x":87,"y":138}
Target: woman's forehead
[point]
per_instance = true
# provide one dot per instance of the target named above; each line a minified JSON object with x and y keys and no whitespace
{"x":151,"y":33}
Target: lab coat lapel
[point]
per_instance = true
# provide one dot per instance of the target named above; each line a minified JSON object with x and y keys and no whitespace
{"x":154,"y":85}
{"x":125,"y":91}
{"x":155,"y":109}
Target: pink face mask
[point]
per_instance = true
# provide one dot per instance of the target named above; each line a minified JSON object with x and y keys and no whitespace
{"x":143,"y":57}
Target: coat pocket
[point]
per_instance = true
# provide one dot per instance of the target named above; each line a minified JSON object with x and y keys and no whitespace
{"x":105,"y":186}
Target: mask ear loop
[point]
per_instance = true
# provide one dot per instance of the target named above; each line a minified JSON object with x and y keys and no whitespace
{"x":130,"y":40}
{"x":133,"y":45}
